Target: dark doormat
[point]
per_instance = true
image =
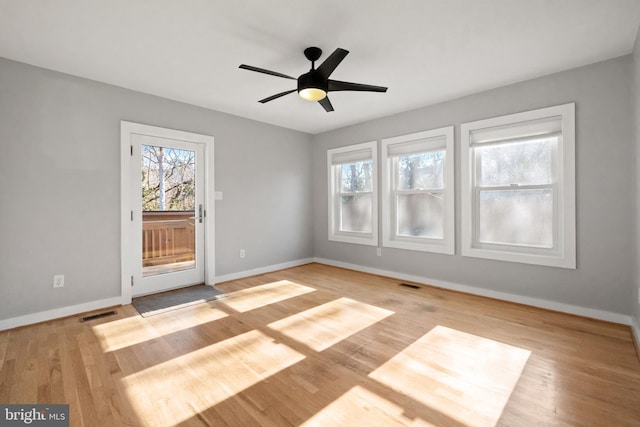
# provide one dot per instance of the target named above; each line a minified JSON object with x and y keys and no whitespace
{"x":174,"y":300}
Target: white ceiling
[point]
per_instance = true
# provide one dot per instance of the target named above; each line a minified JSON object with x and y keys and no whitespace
{"x":425,"y":51}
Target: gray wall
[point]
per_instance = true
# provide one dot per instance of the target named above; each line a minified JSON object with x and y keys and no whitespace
{"x":605,"y":202}
{"x":60,"y":186}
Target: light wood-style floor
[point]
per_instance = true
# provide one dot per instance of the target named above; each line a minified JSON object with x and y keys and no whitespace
{"x":322,"y":346}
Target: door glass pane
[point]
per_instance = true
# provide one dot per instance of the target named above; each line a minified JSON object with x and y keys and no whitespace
{"x":518,"y":217}
{"x":168,"y":209}
{"x":420,"y":215}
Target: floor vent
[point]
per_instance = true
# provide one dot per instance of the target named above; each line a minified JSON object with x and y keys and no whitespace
{"x":98,"y":316}
{"x":406,"y":285}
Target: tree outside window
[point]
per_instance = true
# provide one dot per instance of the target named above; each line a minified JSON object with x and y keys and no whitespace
{"x":168,"y":179}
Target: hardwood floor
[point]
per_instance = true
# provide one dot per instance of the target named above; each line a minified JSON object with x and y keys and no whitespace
{"x":319,"y":346}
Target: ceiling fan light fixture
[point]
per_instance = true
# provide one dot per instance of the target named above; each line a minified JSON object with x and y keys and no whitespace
{"x":312,"y":94}
{"x":312,"y":86}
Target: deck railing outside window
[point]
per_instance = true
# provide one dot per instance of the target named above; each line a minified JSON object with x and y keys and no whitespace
{"x":167,"y":237}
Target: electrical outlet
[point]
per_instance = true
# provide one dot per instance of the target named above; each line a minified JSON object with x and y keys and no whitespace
{"x":242,"y":253}
{"x":379,"y":251}
{"x":58,"y":281}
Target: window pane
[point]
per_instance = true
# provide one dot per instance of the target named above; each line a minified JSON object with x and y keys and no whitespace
{"x":420,"y":171}
{"x":520,"y":217}
{"x":420,"y":215}
{"x":524,"y":163}
{"x":355,"y":213}
{"x":355,"y":177}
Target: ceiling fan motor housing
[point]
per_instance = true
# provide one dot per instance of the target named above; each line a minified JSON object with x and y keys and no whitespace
{"x":312,"y":79}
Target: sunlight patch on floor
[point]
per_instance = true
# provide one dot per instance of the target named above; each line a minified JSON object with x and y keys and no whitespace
{"x":362,"y":407}
{"x":133,"y":330}
{"x":196,"y":381}
{"x":259,"y":296}
{"x":188,"y":317}
{"x":463,"y":376}
{"x":325,"y":325}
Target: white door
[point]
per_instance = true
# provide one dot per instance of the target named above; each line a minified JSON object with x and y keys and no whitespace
{"x":167,"y":200}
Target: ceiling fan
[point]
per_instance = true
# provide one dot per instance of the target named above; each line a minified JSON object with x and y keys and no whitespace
{"x":314,"y":85}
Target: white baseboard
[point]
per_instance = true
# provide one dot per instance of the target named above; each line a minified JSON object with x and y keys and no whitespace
{"x":57,"y":313}
{"x":262,"y":270}
{"x":520,"y":299}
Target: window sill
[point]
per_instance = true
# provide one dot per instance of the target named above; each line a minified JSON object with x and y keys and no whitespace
{"x":446,"y":248}
{"x":561,"y":261}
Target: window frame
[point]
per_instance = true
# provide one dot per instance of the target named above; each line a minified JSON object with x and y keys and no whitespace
{"x":521,"y":127}
{"x":334,"y":192}
{"x":431,"y":140}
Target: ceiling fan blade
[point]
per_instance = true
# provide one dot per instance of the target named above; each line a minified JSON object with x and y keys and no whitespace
{"x":276,"y":96}
{"x":326,"y":104}
{"x":262,"y":70}
{"x":335,"y":85}
{"x":326,"y":68}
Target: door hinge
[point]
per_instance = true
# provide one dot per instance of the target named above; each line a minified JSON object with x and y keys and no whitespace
{"x":132,"y":150}
{"x":131,"y":281}
{"x":131,"y":215}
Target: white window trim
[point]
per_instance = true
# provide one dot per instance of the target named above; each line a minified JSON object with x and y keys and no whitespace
{"x":335,"y":235}
{"x":564,"y":255}
{"x":445,"y":245}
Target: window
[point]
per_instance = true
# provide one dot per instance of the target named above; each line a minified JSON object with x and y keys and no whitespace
{"x":353,"y":199}
{"x":518,"y":187}
{"x":418,"y":206}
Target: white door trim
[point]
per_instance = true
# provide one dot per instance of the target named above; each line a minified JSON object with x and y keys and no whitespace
{"x":126,"y":130}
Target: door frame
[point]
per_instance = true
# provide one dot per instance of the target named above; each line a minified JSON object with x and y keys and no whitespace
{"x":126,"y":210}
